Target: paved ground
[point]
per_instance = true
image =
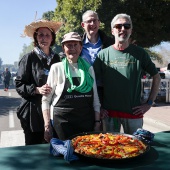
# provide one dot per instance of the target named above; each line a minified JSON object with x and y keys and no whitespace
{"x":157,"y":119}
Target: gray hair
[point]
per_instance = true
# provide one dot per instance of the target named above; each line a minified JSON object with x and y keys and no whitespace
{"x":89,"y":12}
{"x":118,"y":16}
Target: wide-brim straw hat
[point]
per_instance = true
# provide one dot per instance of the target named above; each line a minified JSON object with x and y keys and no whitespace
{"x":31,"y":28}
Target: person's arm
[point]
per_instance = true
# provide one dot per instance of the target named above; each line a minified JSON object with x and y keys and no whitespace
{"x":47,"y":125}
{"x":155,"y":87}
{"x":142,"y":109}
{"x":46,"y":103}
{"x":46,"y":116}
{"x":43,"y":90}
{"x":149,"y":67}
{"x":96,"y":104}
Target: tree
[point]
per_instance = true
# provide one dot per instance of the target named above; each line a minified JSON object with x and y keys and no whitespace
{"x":150,"y":18}
{"x":48,"y":15}
{"x":164,"y":51}
{"x":150,"y":21}
{"x":26,"y":49}
{"x":155,"y":56}
{"x":150,"y":24}
{"x":70,"y":12}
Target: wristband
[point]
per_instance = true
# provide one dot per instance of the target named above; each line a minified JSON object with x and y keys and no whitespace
{"x":150,"y":102}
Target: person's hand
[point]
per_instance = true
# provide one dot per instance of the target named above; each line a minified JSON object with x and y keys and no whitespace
{"x":48,"y":133}
{"x":141,"y":110}
{"x":97,"y":126}
{"x":103,"y":113}
{"x":44,"y":90}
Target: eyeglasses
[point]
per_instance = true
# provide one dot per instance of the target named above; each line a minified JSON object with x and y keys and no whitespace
{"x":90,"y":21}
{"x":119,"y":26}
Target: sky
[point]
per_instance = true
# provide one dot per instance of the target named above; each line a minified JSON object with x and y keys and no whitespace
{"x":14,"y":15}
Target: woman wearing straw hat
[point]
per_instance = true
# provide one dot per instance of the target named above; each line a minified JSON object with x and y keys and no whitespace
{"x":74,"y":97}
{"x":31,"y":78}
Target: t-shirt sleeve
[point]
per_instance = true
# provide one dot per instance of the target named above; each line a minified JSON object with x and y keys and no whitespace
{"x":148,"y":65}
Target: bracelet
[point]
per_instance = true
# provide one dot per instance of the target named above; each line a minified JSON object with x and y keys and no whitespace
{"x":97,"y":121}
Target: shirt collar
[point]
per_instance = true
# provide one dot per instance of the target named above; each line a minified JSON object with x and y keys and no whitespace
{"x":86,"y":41}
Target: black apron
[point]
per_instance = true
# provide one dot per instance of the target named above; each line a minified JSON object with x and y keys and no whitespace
{"x":73,"y":112}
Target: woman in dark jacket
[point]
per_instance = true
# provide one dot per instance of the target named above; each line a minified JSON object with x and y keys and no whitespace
{"x":31,"y":78}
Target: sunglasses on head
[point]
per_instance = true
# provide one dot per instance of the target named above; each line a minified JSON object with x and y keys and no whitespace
{"x":119,"y":26}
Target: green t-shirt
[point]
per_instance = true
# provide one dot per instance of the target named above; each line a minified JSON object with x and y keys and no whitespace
{"x":120,"y":74}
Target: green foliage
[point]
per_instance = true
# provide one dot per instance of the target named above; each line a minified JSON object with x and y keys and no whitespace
{"x":150,"y":21}
{"x":57,"y":49}
{"x":150,"y":17}
{"x":48,"y":15}
{"x":26,"y":49}
{"x":150,"y":24}
{"x":70,"y":13}
{"x":155,"y":56}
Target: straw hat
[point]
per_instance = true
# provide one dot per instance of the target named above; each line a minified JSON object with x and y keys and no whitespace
{"x":71,"y":36}
{"x":52,"y":25}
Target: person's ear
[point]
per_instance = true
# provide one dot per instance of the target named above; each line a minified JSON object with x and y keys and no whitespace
{"x":63,"y":47}
{"x":82,"y":24}
{"x":112,"y":31}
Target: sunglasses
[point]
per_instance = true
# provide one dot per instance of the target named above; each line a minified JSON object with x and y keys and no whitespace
{"x":119,"y":26}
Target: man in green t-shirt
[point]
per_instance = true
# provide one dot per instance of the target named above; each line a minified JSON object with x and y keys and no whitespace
{"x":119,"y":68}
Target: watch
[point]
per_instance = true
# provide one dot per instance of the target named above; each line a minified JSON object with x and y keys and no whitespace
{"x":150,"y":102}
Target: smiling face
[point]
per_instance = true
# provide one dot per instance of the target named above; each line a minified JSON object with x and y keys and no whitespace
{"x":91,"y":24}
{"x":72,"y":50}
{"x":44,"y":38}
{"x":121,"y":33}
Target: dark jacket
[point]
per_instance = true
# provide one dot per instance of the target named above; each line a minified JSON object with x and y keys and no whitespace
{"x":7,"y":76}
{"x":106,"y":40}
{"x":32,"y":74}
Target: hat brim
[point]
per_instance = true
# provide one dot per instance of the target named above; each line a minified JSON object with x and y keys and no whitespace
{"x":71,"y":39}
{"x":31,"y":28}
